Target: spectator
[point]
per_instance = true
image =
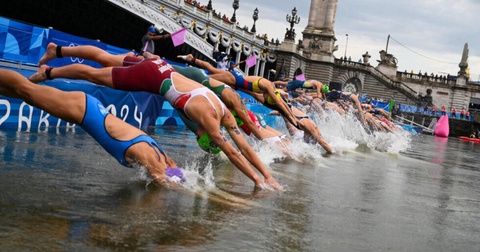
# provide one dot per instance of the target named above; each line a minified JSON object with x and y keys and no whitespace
{"x":462,"y":113}
{"x":444,"y":111}
{"x":434,"y":110}
{"x":148,"y":40}
{"x":395,"y":111}
{"x":454,"y":112}
{"x":467,"y":115}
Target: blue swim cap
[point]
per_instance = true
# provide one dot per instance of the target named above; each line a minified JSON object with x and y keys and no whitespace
{"x":232,"y":63}
{"x":152,"y":29}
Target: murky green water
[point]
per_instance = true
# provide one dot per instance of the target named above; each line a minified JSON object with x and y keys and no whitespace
{"x":59,"y":191}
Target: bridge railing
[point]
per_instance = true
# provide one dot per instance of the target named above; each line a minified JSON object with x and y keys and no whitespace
{"x":412,"y":94}
{"x":203,"y":19}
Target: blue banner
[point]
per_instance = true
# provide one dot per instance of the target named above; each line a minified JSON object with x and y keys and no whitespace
{"x":24,"y":43}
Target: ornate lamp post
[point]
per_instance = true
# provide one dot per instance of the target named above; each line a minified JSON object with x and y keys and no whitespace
{"x":255,"y":17}
{"x":293,"y":19}
{"x":235,"y":5}
{"x":346,"y":45}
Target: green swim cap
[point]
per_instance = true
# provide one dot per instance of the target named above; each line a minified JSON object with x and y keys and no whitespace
{"x":206,"y":143}
{"x":324,"y":89}
{"x":237,"y":119}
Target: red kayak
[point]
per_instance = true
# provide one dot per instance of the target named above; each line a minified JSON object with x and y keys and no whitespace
{"x":475,"y":140}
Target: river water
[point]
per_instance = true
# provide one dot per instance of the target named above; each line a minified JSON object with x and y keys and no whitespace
{"x":60,"y":191}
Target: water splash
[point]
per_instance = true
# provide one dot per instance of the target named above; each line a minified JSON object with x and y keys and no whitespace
{"x":345,"y":132}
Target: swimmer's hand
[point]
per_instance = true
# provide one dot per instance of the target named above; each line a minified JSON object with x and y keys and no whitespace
{"x":332,"y":153}
{"x":271,"y":184}
{"x":164,"y":181}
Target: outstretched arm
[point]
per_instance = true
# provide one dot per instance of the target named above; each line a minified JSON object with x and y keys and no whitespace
{"x":282,"y":104}
{"x":247,"y":151}
{"x":158,"y":37}
{"x":281,"y":83}
{"x":200,"y":63}
{"x":242,"y":113}
{"x":355,"y":100}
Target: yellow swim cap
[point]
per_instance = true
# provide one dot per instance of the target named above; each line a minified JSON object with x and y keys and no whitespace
{"x":270,"y":99}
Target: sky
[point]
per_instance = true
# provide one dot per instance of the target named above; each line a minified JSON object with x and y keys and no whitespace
{"x":425,"y":35}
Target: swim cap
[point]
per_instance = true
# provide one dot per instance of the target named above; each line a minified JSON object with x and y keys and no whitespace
{"x":232,"y":63}
{"x":270,"y":99}
{"x":324,"y":89}
{"x":238,"y":120}
{"x":174,"y":172}
{"x":206,"y":143}
{"x":152,"y":29}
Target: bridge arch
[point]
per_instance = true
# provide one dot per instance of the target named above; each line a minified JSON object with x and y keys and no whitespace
{"x":352,"y":81}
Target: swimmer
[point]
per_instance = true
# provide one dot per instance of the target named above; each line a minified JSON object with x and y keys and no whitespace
{"x":236,"y":79}
{"x":129,"y":145}
{"x":106,"y":59}
{"x":245,"y":118}
{"x":306,"y":124}
{"x":342,"y":97}
{"x":195,"y":101}
{"x":291,"y":86}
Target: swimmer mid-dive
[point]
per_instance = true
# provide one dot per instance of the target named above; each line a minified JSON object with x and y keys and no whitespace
{"x":107,"y":59}
{"x":307,"y":125}
{"x":129,"y":145}
{"x":195,"y":101}
{"x":245,"y":119}
{"x":236,"y":79}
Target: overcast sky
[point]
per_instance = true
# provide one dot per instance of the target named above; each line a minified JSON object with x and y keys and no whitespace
{"x":426,"y":35}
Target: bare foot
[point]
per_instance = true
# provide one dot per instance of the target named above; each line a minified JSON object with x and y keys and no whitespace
{"x":148,"y":55}
{"x":40,"y":75}
{"x":50,"y":54}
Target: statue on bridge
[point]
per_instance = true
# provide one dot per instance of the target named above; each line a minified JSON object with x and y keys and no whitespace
{"x":425,"y":100}
{"x":387,"y":59}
